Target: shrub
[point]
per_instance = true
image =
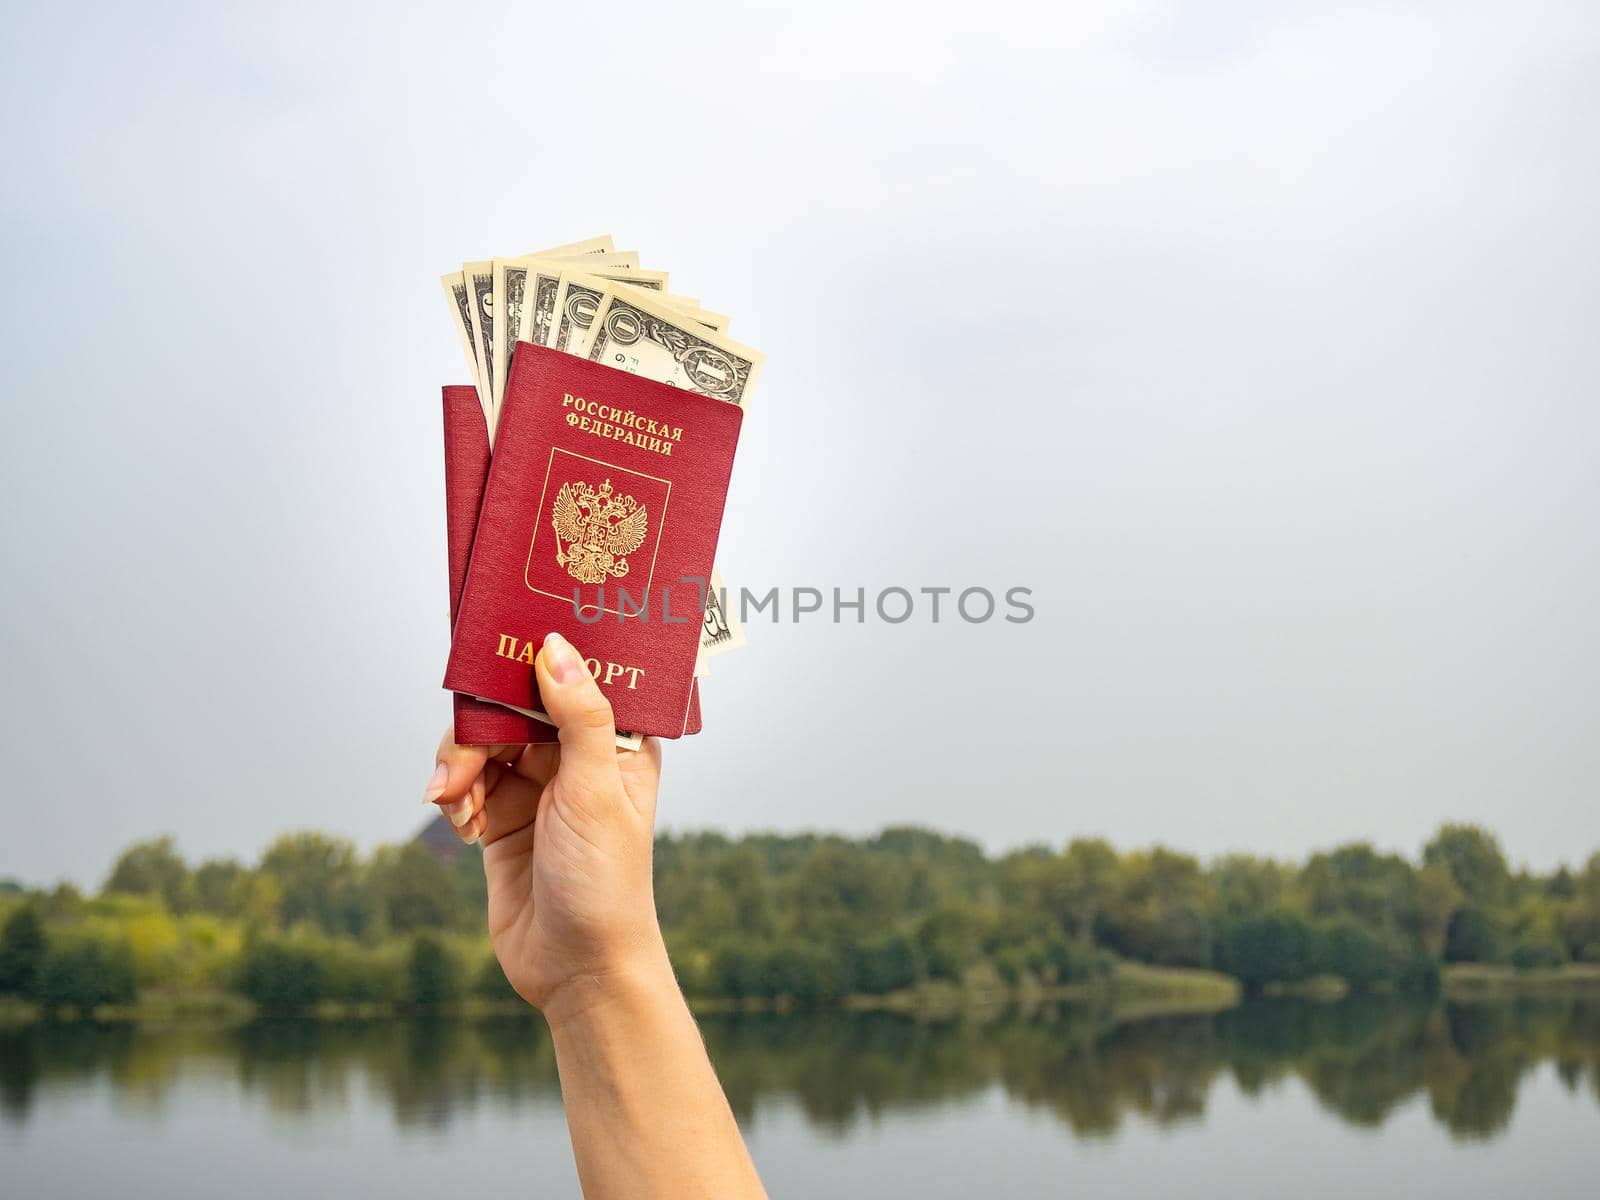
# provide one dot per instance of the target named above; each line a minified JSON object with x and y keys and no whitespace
{"x":22,"y":951}
{"x":877,"y":966}
{"x":735,"y":972}
{"x":1011,"y":963}
{"x":1533,"y":953}
{"x":1473,"y":936}
{"x":84,"y":973}
{"x":1352,"y":952}
{"x":1067,"y":960}
{"x":1276,"y":947}
{"x":797,"y":971}
{"x":948,"y":942}
{"x":355,"y":974}
{"x":283,"y":973}
{"x":432,"y":975}
{"x":1417,"y":972}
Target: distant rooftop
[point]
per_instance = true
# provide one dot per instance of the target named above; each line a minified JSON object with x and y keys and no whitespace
{"x":438,"y":835}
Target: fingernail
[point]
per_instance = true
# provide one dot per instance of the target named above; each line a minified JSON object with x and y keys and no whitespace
{"x":561,"y":659}
{"x":436,"y":785}
{"x":460,"y":812}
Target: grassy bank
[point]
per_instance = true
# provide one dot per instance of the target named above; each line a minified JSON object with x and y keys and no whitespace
{"x":1130,"y":990}
{"x":1479,"y":981}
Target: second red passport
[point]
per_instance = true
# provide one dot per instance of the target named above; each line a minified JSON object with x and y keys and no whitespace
{"x":599,"y":521}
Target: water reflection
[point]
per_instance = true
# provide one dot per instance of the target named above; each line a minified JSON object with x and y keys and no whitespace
{"x":1362,"y":1059}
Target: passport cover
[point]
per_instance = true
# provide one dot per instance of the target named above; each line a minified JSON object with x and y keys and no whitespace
{"x":605,"y":495}
{"x":466,"y":470}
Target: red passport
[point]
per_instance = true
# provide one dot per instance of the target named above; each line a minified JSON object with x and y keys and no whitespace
{"x":599,"y":520}
{"x":466,"y":470}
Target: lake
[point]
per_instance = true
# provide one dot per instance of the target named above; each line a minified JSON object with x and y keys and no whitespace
{"x":1369,"y":1097}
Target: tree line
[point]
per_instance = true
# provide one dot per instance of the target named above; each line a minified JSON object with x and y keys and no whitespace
{"x":805,"y":918}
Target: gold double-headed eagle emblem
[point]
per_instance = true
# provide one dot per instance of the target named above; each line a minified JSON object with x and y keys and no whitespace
{"x":596,"y":529}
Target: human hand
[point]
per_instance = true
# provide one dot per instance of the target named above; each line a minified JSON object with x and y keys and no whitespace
{"x":567,"y":830}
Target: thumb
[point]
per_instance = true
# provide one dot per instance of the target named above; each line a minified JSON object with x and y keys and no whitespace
{"x":573,"y":700}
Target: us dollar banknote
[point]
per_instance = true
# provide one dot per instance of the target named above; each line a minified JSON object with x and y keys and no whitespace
{"x":601,"y":244}
{"x":577,"y":301}
{"x":543,"y":287}
{"x":720,"y":629}
{"x":510,"y":292}
{"x":480,"y":307}
{"x":455,"y":290}
{"x":641,"y":335}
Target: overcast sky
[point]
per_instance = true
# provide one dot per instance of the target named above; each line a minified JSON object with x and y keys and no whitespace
{"x":1259,"y":340}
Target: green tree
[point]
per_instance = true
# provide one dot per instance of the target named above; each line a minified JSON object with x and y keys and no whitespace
{"x":1588,"y":883}
{"x":947,"y":942}
{"x":737,"y":876}
{"x":736,"y":969}
{"x":153,"y":868}
{"x":1162,"y":911}
{"x":1277,"y":947}
{"x":1580,"y":930}
{"x":257,"y":899}
{"x":283,"y":974}
{"x":1475,"y":861}
{"x":1064,"y":960}
{"x":1358,"y":882}
{"x":83,"y":973}
{"x":838,"y":893}
{"x":1353,"y":952}
{"x":796,"y":971}
{"x":1075,"y":889}
{"x":217,"y":886}
{"x":319,"y":882}
{"x":433,"y":975}
{"x":412,"y":889}
{"x":877,"y":966}
{"x":927,"y":869}
{"x":1243,"y":885}
{"x":1475,"y":936}
{"x":1529,"y":953}
{"x":1436,"y":898}
{"x":22,"y":951}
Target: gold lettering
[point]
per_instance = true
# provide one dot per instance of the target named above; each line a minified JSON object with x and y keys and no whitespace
{"x":605,"y":421}
{"x":605,"y":673}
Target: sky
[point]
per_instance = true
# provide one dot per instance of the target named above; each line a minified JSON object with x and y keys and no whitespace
{"x":1256,"y":340}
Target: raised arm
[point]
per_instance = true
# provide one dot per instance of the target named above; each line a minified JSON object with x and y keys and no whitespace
{"x":568,"y":831}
